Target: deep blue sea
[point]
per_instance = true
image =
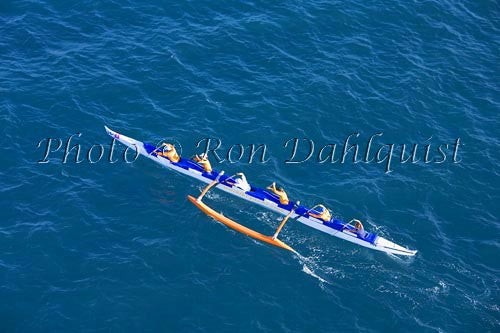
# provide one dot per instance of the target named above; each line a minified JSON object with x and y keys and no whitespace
{"x":116,"y":247}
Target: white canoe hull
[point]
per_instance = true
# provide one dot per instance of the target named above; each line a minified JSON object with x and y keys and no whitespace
{"x":380,"y":243}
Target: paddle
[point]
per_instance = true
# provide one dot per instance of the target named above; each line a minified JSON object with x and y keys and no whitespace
{"x":307,"y":212}
{"x":154,"y":151}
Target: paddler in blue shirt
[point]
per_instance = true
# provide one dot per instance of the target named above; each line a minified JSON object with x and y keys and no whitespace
{"x":280,"y":192}
{"x":203,"y":161}
{"x":323,"y":213}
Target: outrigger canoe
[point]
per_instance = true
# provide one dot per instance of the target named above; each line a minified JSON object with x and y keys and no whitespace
{"x":266,"y":199}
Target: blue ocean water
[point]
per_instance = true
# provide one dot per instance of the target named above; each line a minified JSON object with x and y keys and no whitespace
{"x":117,"y":247}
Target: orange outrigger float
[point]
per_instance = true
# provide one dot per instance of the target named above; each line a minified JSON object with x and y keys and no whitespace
{"x":273,"y":240}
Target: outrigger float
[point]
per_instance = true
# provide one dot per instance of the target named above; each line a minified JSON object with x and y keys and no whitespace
{"x":263,"y":198}
{"x":273,"y":240}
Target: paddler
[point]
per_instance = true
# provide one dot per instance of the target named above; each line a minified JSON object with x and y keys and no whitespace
{"x":240,"y":182}
{"x":323,"y":213}
{"x":203,"y":161}
{"x":358,"y":225}
{"x":280,"y":192}
{"x":168,"y":150}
